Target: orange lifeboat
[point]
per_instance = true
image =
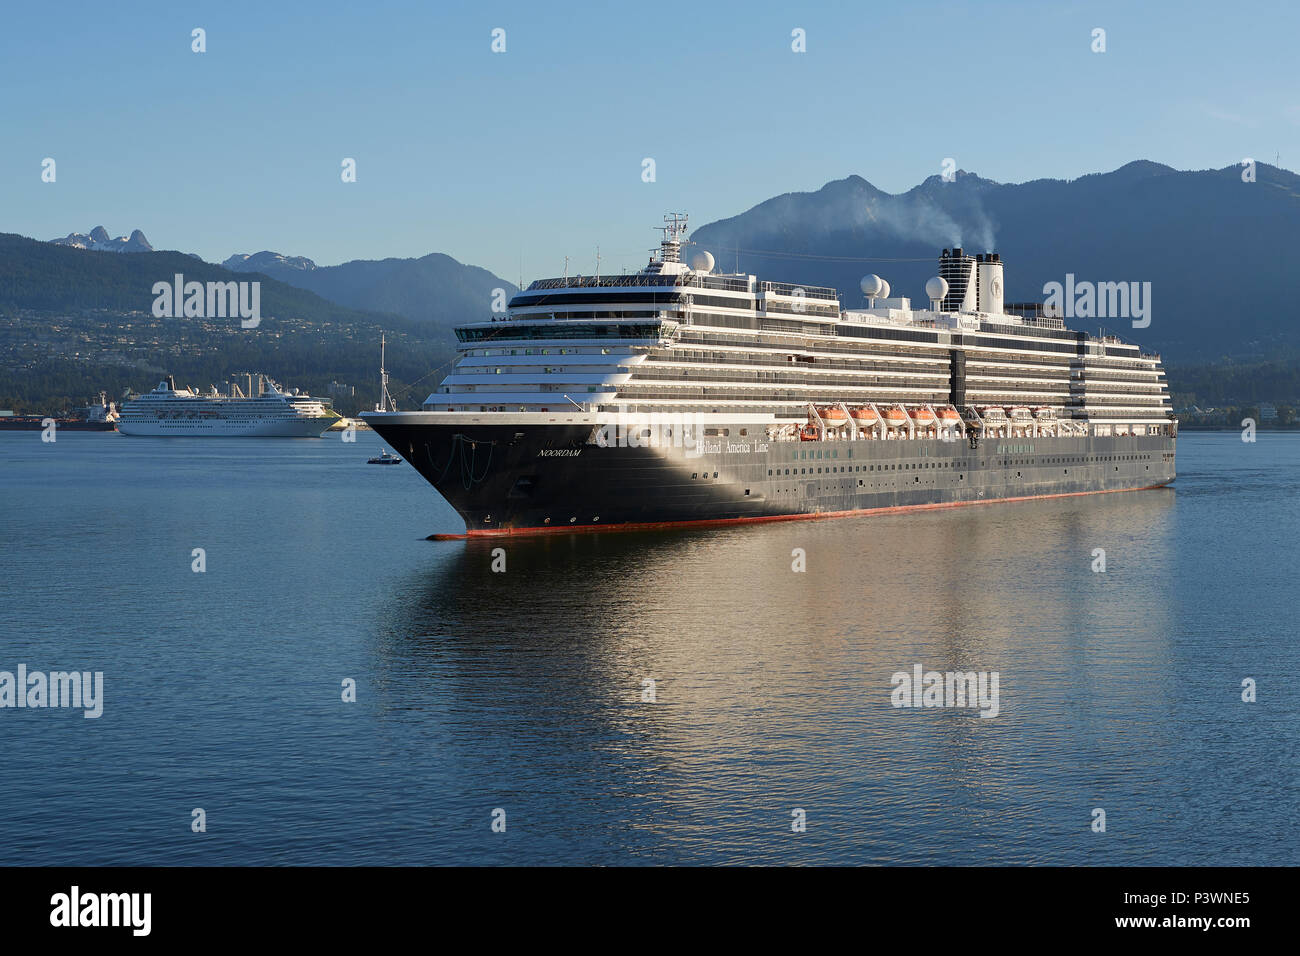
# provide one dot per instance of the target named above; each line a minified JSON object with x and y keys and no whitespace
{"x":949,"y":415}
{"x":832,"y":415}
{"x":923,"y":416}
{"x":895,"y":417}
{"x":864,"y":416}
{"x":809,"y":433}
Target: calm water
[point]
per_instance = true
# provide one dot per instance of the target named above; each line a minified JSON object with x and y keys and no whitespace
{"x":522,"y":690}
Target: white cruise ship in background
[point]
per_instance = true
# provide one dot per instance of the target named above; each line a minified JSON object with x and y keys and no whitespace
{"x":184,"y":412}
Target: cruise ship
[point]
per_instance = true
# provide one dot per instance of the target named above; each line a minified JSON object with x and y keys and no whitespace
{"x":680,"y":395}
{"x":184,"y":412}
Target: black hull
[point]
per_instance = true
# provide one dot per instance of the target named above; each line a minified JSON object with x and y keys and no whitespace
{"x":531,"y":478}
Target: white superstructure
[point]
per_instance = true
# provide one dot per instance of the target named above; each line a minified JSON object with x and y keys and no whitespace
{"x":677,"y":339}
{"x":184,"y":412}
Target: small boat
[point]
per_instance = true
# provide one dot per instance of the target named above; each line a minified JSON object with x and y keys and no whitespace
{"x":385,"y":459}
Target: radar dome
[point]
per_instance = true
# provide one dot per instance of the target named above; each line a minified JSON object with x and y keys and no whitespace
{"x":884,"y":291}
{"x":936,"y":288}
{"x":702,"y":261}
{"x":871,"y":286}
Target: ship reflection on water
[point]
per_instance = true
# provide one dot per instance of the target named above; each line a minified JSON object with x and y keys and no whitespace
{"x":771,"y":687}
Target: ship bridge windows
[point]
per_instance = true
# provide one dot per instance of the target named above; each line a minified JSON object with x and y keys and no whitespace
{"x":564,"y":330}
{"x":659,"y":299}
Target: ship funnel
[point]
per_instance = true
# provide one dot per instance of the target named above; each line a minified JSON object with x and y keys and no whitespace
{"x":989,"y":284}
{"x":958,"y":270}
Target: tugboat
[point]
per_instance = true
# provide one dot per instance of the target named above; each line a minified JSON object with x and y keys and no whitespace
{"x":385,"y":459}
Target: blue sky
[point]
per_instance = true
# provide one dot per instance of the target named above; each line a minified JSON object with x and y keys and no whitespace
{"x":523,"y":157}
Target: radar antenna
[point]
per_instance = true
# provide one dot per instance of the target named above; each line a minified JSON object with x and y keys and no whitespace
{"x":386,"y":403}
{"x":674,"y":230}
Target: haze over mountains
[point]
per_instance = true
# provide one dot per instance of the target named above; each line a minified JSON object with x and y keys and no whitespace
{"x":434,"y":289}
{"x":74,"y":321}
{"x":1220,"y":253}
{"x":49,"y":277}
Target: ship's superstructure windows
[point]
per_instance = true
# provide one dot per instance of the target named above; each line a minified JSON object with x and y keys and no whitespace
{"x":678,"y":338}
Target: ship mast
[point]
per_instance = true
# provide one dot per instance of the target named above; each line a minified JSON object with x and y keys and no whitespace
{"x":674,"y":230}
{"x":386,"y":403}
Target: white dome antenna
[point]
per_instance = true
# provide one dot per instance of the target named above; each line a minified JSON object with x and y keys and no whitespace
{"x":702,"y":261}
{"x":873,"y":287}
{"x":937,"y":289}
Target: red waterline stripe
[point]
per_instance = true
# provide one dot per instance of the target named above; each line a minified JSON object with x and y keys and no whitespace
{"x":714,"y":522}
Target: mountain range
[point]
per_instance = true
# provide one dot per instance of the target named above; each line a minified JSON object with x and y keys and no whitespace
{"x":434,"y":289}
{"x":265,"y":262}
{"x":98,"y":240}
{"x":1216,"y":247}
{"x":49,"y":277}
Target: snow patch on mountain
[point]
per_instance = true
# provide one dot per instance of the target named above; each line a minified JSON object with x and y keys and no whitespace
{"x":98,"y":240}
{"x":261,"y":261}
